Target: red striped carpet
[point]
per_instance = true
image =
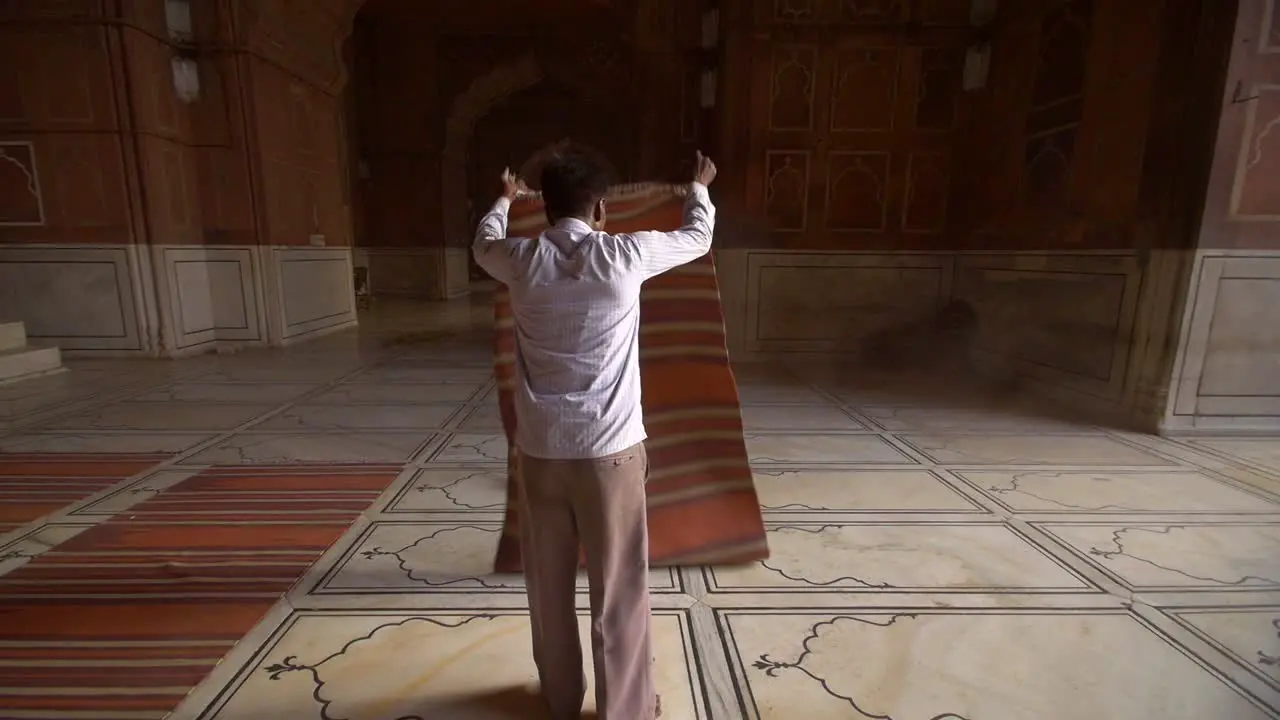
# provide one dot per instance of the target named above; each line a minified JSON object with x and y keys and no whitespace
{"x":124,"y":619}
{"x":703,"y":507}
{"x":32,"y":486}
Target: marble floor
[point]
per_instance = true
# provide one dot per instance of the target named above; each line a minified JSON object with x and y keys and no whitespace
{"x":937,"y":552}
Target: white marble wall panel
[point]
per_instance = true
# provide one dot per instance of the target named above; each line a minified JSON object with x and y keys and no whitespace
{"x":827,"y":302}
{"x":1228,"y":369}
{"x":75,"y":297}
{"x":1063,"y":319}
{"x":457,"y":271}
{"x":211,"y":296}
{"x":407,"y":272}
{"x":309,"y":291}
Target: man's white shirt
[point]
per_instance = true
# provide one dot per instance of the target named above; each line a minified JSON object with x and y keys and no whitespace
{"x":575,"y":297}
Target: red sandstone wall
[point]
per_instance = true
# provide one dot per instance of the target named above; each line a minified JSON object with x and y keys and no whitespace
{"x":292,"y":65}
{"x":1057,"y":144}
{"x":398,"y":116}
{"x":120,"y":159}
{"x":64,"y":125}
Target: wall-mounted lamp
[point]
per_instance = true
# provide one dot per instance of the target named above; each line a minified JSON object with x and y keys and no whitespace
{"x":711,"y":29}
{"x":977,"y":59}
{"x":186,"y":72}
{"x":977,"y":67}
{"x":707,"y":99}
{"x":186,"y":79}
{"x":177,"y":15}
{"x":982,"y":12}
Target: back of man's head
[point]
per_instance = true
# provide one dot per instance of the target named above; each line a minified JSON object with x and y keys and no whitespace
{"x":572,"y":182}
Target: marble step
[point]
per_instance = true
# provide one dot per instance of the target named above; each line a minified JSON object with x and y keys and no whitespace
{"x":28,"y":362}
{"x":13,"y":335}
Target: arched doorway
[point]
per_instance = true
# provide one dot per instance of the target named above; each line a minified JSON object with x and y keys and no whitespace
{"x":524,"y":124}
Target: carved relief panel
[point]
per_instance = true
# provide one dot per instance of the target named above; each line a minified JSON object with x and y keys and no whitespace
{"x":854,"y":142}
{"x":1255,"y":187}
{"x":864,"y":12}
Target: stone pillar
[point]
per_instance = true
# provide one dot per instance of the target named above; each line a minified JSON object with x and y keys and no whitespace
{"x":1226,"y":374}
{"x":398,"y":108}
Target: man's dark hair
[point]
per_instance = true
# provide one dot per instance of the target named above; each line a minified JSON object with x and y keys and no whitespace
{"x":572,"y":181}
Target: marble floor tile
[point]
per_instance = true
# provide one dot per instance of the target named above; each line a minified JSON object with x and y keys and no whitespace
{"x":277,"y":370}
{"x":1112,"y":491}
{"x":300,"y":449}
{"x":857,"y":491}
{"x":781,"y":394}
{"x":748,"y":372}
{"x":413,"y":373}
{"x":361,"y":417}
{"x":951,"y":665}
{"x":968,"y":420}
{"x":1261,"y":452}
{"x":471,"y":449}
{"x":434,"y":558}
{"x":212,"y":392}
{"x":19,"y":407}
{"x":396,"y":666}
{"x":895,"y":389}
{"x":483,"y":419}
{"x":161,"y":416}
{"x":21,"y":550}
{"x":452,"y":491}
{"x":101,"y":442}
{"x":1081,"y":450}
{"x":383,"y":394}
{"x":925,"y":557}
{"x":1154,"y":557}
{"x":813,"y":449}
{"x":18,"y":399}
{"x":1249,"y":635}
{"x":135,"y":492}
{"x":1057,"y":570}
{"x":785,"y":417}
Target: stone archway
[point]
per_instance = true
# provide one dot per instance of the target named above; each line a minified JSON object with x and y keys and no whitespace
{"x":467,"y":109}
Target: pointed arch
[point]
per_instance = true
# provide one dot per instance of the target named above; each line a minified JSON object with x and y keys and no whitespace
{"x":473,"y":104}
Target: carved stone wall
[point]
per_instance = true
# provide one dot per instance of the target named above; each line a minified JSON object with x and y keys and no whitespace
{"x":850,"y":121}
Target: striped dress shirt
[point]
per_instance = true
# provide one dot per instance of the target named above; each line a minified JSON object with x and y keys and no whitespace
{"x":575,"y":296}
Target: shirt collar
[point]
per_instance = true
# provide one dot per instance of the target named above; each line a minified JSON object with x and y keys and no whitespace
{"x":574,"y":226}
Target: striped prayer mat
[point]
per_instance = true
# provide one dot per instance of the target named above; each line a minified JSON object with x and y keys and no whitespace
{"x":32,"y":486}
{"x":703,"y":507}
{"x":126,"y":618}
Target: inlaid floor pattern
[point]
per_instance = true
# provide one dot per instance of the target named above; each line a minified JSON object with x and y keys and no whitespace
{"x":306,"y":534}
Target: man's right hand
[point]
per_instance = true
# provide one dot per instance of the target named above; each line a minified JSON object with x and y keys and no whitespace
{"x":704,"y":170}
{"x":513,"y":185}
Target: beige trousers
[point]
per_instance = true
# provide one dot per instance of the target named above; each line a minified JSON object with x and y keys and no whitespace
{"x":600,"y":505}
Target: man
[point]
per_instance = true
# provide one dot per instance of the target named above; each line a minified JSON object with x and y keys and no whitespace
{"x":575,"y":296}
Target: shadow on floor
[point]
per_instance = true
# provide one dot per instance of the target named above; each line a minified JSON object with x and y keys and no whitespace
{"x":514,"y":703}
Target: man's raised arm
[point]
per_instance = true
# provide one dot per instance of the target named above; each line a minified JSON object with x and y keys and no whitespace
{"x":491,"y":249}
{"x":659,"y":251}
